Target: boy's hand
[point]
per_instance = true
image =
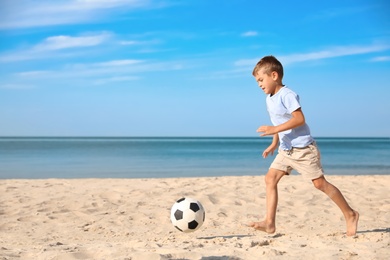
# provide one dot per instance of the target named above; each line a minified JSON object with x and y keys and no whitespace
{"x":269,"y":150}
{"x":267,"y":130}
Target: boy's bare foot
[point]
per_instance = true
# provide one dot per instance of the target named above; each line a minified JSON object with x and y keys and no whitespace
{"x":352,"y":223}
{"x":262,"y":226}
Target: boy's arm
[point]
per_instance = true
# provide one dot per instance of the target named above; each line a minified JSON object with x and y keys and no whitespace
{"x":275,"y":140}
{"x":297,"y":119}
{"x":270,"y":149}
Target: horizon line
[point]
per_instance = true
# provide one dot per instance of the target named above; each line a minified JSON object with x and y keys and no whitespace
{"x":178,"y":136}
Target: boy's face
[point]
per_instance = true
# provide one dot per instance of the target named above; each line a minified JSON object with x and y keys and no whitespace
{"x":268,"y":83}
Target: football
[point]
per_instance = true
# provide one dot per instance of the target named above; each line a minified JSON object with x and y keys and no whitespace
{"x":187,"y":215}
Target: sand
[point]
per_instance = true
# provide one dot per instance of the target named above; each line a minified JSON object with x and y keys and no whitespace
{"x":129,"y":219}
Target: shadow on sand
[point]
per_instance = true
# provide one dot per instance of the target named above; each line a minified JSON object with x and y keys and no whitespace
{"x":226,"y":237}
{"x":241,"y":236}
{"x":377,"y":230}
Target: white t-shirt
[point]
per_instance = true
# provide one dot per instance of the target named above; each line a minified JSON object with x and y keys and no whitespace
{"x":280,"y":106}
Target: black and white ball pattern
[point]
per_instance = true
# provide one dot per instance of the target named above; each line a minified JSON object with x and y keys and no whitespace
{"x":187,"y":215}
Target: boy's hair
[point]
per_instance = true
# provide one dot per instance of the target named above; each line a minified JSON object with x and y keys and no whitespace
{"x":269,"y":64}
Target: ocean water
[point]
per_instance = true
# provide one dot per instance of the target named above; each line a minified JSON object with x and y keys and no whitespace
{"x":32,"y":158}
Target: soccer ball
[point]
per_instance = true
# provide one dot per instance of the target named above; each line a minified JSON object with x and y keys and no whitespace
{"x":187,"y":215}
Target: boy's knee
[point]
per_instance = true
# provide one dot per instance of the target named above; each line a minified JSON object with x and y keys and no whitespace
{"x":269,"y":179}
{"x":320,"y":183}
{"x":272,"y":177}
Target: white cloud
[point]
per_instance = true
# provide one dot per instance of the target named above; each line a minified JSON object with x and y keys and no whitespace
{"x":16,"y":86}
{"x":93,"y":4}
{"x":381,"y":59}
{"x":64,"y":42}
{"x":30,"y":13}
{"x":128,"y":42}
{"x":332,"y":52}
{"x":50,"y":45}
{"x":149,"y":42}
{"x":249,"y":34}
{"x":99,"y":73}
{"x":118,"y":63}
{"x":34,"y":73}
{"x":104,"y":81}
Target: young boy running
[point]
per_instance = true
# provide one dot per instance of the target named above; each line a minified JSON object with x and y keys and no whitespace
{"x":297,"y":148}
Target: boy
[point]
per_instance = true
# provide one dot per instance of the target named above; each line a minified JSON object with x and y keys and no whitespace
{"x":297,"y":149}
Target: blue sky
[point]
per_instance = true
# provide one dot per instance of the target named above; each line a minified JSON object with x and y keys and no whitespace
{"x":183,"y":68}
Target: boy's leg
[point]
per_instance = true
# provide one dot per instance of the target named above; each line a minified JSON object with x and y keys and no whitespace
{"x":351,"y":216}
{"x":271,"y":183}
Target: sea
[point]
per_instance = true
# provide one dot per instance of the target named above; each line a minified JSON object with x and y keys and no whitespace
{"x":168,"y":157}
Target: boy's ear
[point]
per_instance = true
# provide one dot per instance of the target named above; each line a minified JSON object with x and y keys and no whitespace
{"x":274,"y":75}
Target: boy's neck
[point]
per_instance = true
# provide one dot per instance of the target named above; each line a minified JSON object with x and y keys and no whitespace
{"x":277,"y":88}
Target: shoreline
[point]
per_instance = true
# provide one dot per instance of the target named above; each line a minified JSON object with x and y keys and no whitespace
{"x":294,"y":174}
{"x":110,"y":218}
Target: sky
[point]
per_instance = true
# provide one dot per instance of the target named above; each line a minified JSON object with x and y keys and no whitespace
{"x":184,"y":68}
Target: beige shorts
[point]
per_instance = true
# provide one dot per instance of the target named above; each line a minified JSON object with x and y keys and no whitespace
{"x":306,"y":161}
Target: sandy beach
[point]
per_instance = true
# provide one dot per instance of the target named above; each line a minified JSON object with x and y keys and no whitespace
{"x":129,"y":219}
